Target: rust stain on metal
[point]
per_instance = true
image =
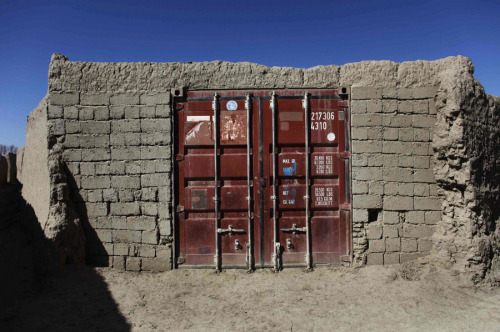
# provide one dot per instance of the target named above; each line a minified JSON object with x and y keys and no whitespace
{"x":198,"y":133}
{"x":291,"y":116}
{"x":233,"y":127}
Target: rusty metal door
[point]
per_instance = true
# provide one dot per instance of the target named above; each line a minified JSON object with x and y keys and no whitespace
{"x":262,"y":178}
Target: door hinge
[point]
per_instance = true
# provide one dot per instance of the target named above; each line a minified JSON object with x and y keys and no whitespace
{"x":179,"y":208}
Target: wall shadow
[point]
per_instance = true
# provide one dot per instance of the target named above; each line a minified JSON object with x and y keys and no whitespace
{"x":95,"y":252}
{"x":36,"y":293}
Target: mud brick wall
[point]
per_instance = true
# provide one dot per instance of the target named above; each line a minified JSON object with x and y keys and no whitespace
{"x":116,"y":147}
{"x":395,"y":200}
{"x":425,"y":169}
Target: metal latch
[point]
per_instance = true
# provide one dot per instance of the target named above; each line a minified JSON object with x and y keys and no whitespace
{"x":229,"y":230}
{"x":294,"y":229}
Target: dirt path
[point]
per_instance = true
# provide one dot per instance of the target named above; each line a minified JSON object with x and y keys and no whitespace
{"x":409,"y":298}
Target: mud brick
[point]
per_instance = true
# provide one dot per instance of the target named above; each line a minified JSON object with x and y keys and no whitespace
{"x":374,"y":106}
{"x":421,"y":189}
{"x":55,"y":112}
{"x":432,"y":217}
{"x":95,"y":182}
{"x":119,"y":263}
{"x":424,"y":92}
{"x":374,"y":232}
{"x":427,"y":203}
{"x":125,"y":209}
{"x":125,"y":139}
{"x":422,"y":162}
{"x":125,"y":153}
{"x":399,"y":121}
{"x":86,"y":113}
{"x":121,"y":249}
{"x":424,"y":121}
{"x":141,"y":223}
{"x":64,"y":98}
{"x":360,"y":215}
{"x":132,"y":112}
{"x":358,"y":106}
{"x":376,"y":245}
{"x":156,"y":264}
{"x":359,"y":187}
{"x":397,"y":174}
{"x":155,"y":125}
{"x":375,"y":160}
{"x":155,"y":180}
{"x":366,"y":92}
{"x":127,"y":236}
{"x":375,"y":259}
{"x":162,"y":111}
{"x":408,"y":245}
{"x":70,"y":112}
{"x":392,"y":244}
{"x":119,"y":223}
{"x":126,"y":126}
{"x":359,"y":160}
{"x":367,"y":202}
{"x":95,"y":127}
{"x":424,"y":245}
{"x":124,"y":99}
{"x":359,"y":133}
{"x":150,"y":237}
{"x":146,"y":112}
{"x":96,"y":210}
{"x":155,"y":99}
{"x":414,"y":217}
{"x":406,"y":257}
{"x":398,"y":203}
{"x":155,"y":152}
{"x":366,"y":120}
{"x":149,"y":208}
{"x":125,"y":182}
{"x":391,"y":217}
{"x":101,"y":113}
{"x":367,"y":173}
{"x":391,"y":258}
{"x":417,"y":231}
{"x":94,"y":99}
{"x":391,"y":231}
{"x":133,"y":264}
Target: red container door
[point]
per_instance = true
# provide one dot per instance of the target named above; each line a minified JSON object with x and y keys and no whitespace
{"x":248,"y":192}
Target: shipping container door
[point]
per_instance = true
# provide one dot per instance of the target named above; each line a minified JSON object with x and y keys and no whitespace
{"x":258,"y":183}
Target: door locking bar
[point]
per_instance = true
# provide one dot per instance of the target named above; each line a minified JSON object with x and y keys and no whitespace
{"x":218,"y":256}
{"x":229,"y":230}
{"x":294,"y":230}
{"x":306,"y":106}
{"x":277,"y":253}
{"x":249,"y":246}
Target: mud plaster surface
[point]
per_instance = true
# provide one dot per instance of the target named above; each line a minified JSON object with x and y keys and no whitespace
{"x":405,"y":298}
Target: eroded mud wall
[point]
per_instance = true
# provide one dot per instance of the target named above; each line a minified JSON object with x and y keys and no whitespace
{"x":32,"y":163}
{"x":467,"y":168}
{"x":111,"y":126}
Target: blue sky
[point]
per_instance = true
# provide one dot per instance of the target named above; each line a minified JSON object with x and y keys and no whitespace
{"x":273,"y":33}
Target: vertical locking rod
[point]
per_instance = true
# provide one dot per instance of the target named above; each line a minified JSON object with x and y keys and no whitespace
{"x":276,"y":256}
{"x":249,"y":246}
{"x":218,"y":258}
{"x":305,"y":106}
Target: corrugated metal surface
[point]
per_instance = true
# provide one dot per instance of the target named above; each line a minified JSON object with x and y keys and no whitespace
{"x":325,"y":210}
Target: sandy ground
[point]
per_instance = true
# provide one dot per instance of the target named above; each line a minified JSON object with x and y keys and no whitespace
{"x":414,"y":297}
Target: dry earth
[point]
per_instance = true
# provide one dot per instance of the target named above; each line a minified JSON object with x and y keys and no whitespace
{"x":411,"y":297}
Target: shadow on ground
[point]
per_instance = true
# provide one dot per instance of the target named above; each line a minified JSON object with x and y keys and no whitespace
{"x":36,"y":293}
